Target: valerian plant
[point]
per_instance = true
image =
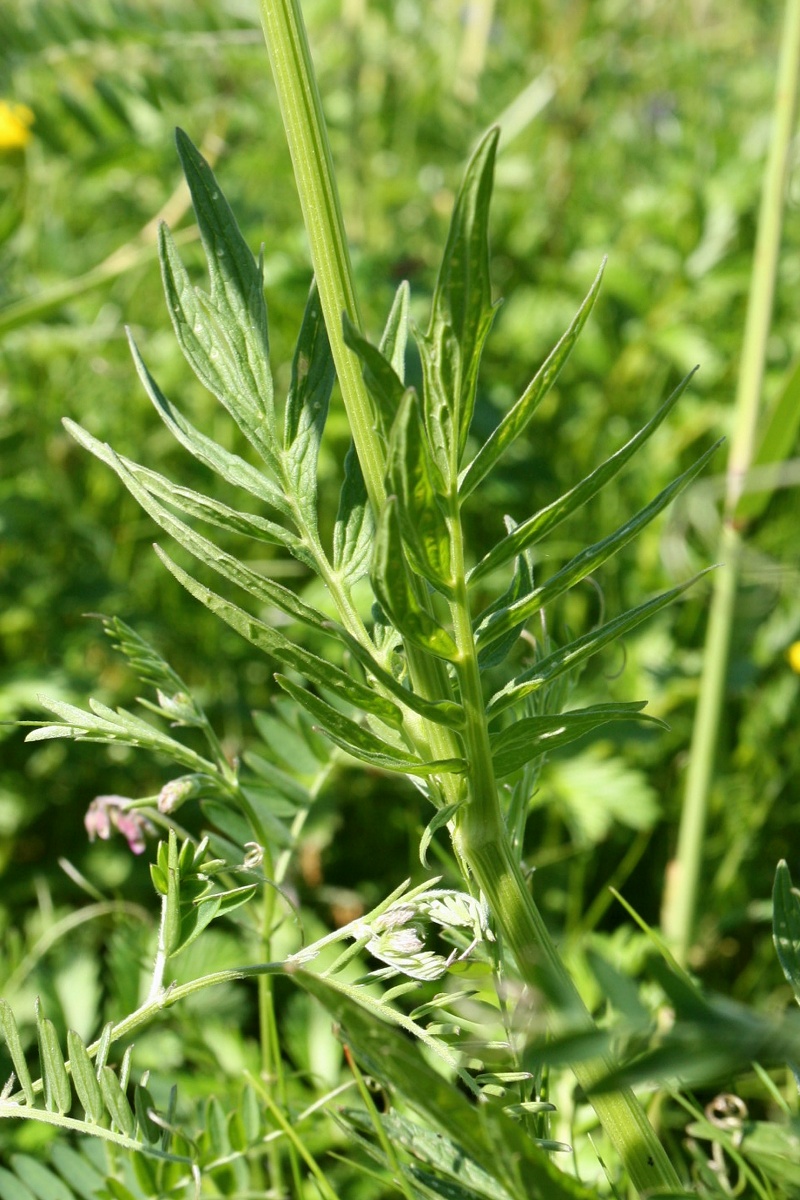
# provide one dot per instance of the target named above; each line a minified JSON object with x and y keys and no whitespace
{"x":436,"y":678}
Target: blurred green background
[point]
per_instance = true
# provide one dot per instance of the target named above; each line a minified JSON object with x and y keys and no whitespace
{"x":633,"y":130}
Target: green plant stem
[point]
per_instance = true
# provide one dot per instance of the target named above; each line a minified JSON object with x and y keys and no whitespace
{"x":304,"y":124}
{"x":309,"y":147}
{"x":620,"y":1113}
{"x":482,"y":838}
{"x":680,"y":901}
{"x":483,"y":842}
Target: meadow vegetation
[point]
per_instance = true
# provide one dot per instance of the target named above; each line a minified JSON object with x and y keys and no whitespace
{"x":270,"y":924}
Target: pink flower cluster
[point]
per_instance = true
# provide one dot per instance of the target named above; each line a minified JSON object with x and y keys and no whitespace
{"x":114,"y":812}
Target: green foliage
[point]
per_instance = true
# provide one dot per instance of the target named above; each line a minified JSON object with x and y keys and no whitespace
{"x":448,"y":666}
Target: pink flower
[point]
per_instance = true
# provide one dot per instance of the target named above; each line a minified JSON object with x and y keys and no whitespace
{"x":115,"y":812}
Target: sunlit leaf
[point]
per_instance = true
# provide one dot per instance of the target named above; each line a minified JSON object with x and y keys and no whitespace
{"x":539,"y":525}
{"x":307,"y":407}
{"x":380,"y":377}
{"x":415,"y":481}
{"x":263,"y":588}
{"x":395,"y":334}
{"x":223,"y":335}
{"x":462,"y":312}
{"x":354,"y":531}
{"x":318,"y":670}
{"x":568,"y":657}
{"x":515,"y":421}
{"x":393,"y":588}
{"x":361,"y":742}
{"x":228,"y":466}
{"x":786,"y":926}
{"x":499,"y":623}
{"x":532,"y":737}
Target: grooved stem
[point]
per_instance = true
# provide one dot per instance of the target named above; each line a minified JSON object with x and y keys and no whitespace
{"x":481,"y":837}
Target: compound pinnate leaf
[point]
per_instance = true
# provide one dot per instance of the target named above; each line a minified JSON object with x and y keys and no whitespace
{"x":497,"y":1146}
{"x":392,"y":585}
{"x":532,"y":737}
{"x":417,"y":483}
{"x":786,"y":926}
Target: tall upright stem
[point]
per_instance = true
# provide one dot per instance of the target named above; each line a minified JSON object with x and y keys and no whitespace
{"x":306,"y":133}
{"x":680,"y":901}
{"x":481,"y":837}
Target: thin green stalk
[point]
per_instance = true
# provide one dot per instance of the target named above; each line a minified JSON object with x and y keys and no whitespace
{"x":297,"y":1143}
{"x":304,"y":124}
{"x":680,"y":902}
{"x":309,"y":147}
{"x":483,"y":840}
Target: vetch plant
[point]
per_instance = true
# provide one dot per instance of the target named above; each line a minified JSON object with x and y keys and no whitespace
{"x":438,"y":680}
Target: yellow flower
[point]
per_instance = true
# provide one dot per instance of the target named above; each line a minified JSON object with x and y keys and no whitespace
{"x":15,"y":123}
{"x":793,"y":655}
